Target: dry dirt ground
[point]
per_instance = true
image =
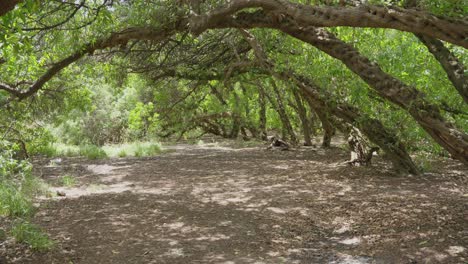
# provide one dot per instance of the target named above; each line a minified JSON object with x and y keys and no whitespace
{"x":224,"y":204}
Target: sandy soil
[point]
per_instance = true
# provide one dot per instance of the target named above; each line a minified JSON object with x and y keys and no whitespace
{"x":221,"y":204}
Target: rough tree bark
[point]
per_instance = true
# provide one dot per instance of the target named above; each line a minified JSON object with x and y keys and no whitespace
{"x":280,"y":107}
{"x":262,"y":113}
{"x":407,"y":97}
{"x":7,"y":5}
{"x":416,"y":21}
{"x":361,"y":154}
{"x":115,"y":39}
{"x":452,"y":66}
{"x":236,"y":120}
{"x":327,"y":126}
{"x":305,"y":121}
{"x":298,"y":21}
{"x":373,"y":128}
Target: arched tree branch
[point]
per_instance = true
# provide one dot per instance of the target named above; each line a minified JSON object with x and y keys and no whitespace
{"x":416,"y":21}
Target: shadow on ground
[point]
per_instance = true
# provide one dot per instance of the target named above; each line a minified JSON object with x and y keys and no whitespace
{"x":212,"y":204}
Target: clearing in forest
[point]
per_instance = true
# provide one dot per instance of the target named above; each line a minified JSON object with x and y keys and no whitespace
{"x":224,"y":204}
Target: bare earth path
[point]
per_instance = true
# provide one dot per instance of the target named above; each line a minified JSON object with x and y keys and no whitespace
{"x":211,"y":204}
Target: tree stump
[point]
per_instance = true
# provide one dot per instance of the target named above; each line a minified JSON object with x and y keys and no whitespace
{"x":277,"y":143}
{"x":361,"y":154}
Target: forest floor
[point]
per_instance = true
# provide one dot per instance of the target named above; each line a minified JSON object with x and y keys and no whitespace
{"x":222,"y":203}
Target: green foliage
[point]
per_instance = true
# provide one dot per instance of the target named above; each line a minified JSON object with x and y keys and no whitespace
{"x":142,"y":120}
{"x":122,"y":154}
{"x":47,"y":150}
{"x":13,"y":202}
{"x":132,"y":93}
{"x":18,"y":187}
{"x":92,"y":152}
{"x":68,"y":181}
{"x":25,"y":232}
{"x":147,"y":150}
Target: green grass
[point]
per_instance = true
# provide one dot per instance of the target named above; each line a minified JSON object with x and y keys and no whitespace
{"x":122,"y":154}
{"x":14,"y":202}
{"x":92,"y":152}
{"x":25,"y":232}
{"x":68,"y":181}
{"x":48,"y":150}
{"x":136,"y":149}
{"x":18,"y":188}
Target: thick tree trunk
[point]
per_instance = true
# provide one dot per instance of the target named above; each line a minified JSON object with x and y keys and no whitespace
{"x":248,"y":123}
{"x":407,"y":97}
{"x":236,"y":119}
{"x":262,"y":113}
{"x":452,"y":66}
{"x":372,"y":128}
{"x":327,"y":127}
{"x":361,"y":154}
{"x":278,"y":105}
{"x":7,"y":5}
{"x":305,"y":121}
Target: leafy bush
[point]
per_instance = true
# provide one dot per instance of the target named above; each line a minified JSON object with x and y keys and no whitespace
{"x":13,"y":202}
{"x":25,"y":232}
{"x":47,"y":150}
{"x":18,"y":187}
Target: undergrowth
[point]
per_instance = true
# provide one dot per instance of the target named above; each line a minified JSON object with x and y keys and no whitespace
{"x":92,"y":152}
{"x":18,"y":188}
{"x":25,"y":232}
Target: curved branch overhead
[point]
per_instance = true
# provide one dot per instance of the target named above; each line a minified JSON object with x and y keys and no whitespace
{"x":416,"y":21}
{"x":279,"y":13}
{"x":407,"y":97}
{"x":300,"y":21}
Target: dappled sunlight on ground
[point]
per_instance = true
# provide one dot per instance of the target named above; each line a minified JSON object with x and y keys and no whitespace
{"x":211,"y":203}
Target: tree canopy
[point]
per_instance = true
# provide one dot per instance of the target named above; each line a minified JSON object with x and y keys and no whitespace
{"x":107,"y":71}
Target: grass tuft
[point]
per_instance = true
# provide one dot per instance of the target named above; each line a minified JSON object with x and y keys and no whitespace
{"x":122,"y":154}
{"x":13,"y":202}
{"x":136,"y":149}
{"x":92,"y":152}
{"x":68,"y":181}
{"x":25,"y":232}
